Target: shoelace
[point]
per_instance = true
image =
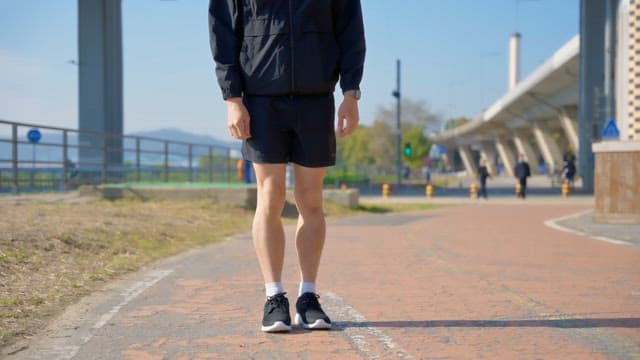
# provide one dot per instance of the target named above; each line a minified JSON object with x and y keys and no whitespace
{"x":276,"y":301}
{"x":310,"y":300}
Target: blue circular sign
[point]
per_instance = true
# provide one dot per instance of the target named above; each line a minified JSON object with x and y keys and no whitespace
{"x":34,"y":135}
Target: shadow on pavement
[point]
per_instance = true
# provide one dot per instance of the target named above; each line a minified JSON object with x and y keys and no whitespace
{"x":632,"y":323}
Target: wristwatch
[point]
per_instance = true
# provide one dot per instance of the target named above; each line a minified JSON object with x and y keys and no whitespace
{"x":355,"y":93}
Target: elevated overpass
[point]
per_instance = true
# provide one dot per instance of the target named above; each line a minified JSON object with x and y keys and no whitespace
{"x":536,"y":118}
{"x":564,"y":105}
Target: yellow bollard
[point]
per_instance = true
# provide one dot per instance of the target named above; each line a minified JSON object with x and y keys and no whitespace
{"x":566,"y":189}
{"x":385,"y":190}
{"x":518,"y":189}
{"x":473,"y":191}
{"x":428,"y":190}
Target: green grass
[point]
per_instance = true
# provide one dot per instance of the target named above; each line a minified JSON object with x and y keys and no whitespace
{"x":195,"y":185}
{"x":13,"y":257}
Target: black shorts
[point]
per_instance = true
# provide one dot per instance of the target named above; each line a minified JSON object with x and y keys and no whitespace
{"x":298,"y":129}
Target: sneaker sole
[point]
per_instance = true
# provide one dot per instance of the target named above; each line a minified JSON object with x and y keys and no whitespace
{"x":277,"y":326}
{"x":317,"y":325}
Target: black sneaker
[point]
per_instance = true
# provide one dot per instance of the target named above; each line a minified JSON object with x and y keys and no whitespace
{"x":309,"y":313}
{"x":276,"y":314}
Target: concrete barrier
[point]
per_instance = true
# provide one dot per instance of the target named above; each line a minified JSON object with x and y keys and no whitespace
{"x":244,"y":196}
{"x":239,"y":196}
{"x":349,"y":197}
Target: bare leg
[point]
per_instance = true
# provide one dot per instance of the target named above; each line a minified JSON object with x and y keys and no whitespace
{"x":311,"y":229}
{"x":268,"y":234}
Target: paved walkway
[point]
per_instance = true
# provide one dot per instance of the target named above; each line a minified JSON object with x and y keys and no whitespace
{"x":479,"y":281}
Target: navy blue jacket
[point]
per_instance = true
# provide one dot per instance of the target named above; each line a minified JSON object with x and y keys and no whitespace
{"x":521,"y":170}
{"x":286,"y":47}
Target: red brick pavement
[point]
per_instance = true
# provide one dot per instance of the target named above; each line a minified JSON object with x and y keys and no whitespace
{"x":434,"y":285}
{"x":468,"y":282}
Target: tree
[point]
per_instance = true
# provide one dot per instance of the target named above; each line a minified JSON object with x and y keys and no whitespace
{"x":420,"y":146}
{"x":455,"y":122}
{"x":354,"y":149}
{"x":413,"y":112}
{"x":382,"y":146}
{"x":371,"y":147}
{"x":374,"y":147}
{"x":417,"y":121}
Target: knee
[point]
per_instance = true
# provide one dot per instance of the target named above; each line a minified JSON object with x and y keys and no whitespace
{"x":271,"y":198}
{"x":309,"y":202}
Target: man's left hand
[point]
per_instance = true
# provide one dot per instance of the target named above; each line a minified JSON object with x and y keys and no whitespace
{"x":348,"y":116}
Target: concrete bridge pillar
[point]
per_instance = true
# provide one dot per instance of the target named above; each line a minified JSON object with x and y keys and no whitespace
{"x":570,"y":126}
{"x":506,"y":155}
{"x":548,"y":148}
{"x":100,"y":81}
{"x":467,"y":160}
{"x":524,"y":147}
{"x":488,"y":153}
{"x":447,"y":159}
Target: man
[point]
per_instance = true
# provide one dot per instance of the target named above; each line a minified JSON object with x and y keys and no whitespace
{"x":522,"y":172}
{"x":569,"y":169}
{"x":483,"y":174}
{"x":427,"y":174}
{"x":277,"y":64}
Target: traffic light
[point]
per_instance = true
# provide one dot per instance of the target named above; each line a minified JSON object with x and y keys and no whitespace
{"x":407,"y":149}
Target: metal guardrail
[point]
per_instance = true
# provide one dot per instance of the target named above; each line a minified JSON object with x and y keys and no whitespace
{"x":67,"y":158}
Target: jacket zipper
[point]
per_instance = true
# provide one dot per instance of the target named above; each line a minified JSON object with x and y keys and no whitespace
{"x":292,"y":44}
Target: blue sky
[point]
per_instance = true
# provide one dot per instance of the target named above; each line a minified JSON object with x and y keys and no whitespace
{"x":454,"y":56}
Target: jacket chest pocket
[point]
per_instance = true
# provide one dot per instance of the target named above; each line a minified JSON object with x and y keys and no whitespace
{"x":263,"y":55}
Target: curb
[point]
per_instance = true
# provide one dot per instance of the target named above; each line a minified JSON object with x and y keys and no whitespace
{"x":554,"y":224}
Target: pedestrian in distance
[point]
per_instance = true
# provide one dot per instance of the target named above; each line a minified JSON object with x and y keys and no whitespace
{"x":569,"y":169}
{"x":483,"y":174}
{"x":522,"y":172}
{"x":277,"y":65}
{"x":427,"y":174}
{"x":406,"y":172}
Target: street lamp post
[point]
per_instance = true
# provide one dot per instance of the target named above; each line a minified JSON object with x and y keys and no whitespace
{"x":396,"y":94}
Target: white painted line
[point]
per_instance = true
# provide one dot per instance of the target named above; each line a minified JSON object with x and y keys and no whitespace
{"x":362,"y":337}
{"x":130,"y":293}
{"x":554,"y":224}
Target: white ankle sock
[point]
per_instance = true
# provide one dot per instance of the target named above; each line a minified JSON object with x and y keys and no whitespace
{"x":273,"y":288}
{"x":307,"y":287}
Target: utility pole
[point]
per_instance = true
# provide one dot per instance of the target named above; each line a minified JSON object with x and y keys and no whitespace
{"x":591,"y":85}
{"x":610,"y":60}
{"x":396,"y":94}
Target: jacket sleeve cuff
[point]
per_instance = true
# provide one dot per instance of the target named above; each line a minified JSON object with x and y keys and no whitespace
{"x":230,"y":93}
{"x":350,"y":82}
{"x":349,"y":87}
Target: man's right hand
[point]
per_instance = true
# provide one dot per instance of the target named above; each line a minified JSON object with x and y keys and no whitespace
{"x":238,"y":119}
